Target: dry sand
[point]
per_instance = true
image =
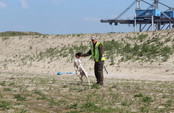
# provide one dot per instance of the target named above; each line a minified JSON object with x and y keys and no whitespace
{"x":14,"y":48}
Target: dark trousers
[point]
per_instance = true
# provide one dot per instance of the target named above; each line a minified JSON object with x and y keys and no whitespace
{"x":98,"y":70}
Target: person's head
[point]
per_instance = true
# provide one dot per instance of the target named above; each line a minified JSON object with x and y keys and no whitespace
{"x":94,"y":39}
{"x":78,"y":55}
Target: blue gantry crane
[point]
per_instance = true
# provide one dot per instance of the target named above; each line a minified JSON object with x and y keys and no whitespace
{"x":151,"y":17}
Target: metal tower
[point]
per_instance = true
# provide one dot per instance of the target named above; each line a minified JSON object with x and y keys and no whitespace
{"x":152,"y":17}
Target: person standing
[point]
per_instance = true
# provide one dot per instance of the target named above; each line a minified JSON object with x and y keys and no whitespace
{"x":97,"y":52}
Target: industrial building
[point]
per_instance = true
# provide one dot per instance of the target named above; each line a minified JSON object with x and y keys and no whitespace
{"x":151,"y":18}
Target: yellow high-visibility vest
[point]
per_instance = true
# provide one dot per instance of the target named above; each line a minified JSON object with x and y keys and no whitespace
{"x":95,"y":52}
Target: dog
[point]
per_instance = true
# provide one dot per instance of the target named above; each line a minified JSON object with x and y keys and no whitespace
{"x":79,"y":70}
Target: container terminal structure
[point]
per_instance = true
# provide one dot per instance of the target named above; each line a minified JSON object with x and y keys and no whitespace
{"x":148,"y":19}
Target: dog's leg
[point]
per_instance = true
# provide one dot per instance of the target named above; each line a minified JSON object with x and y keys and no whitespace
{"x":86,"y":75}
{"x":81,"y":78}
{"x":87,"y":79}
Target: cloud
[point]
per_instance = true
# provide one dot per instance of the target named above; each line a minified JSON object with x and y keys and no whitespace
{"x":24,"y":4}
{"x":2,"y":5}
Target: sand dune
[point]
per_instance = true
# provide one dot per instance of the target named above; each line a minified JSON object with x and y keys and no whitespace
{"x":21,"y":54}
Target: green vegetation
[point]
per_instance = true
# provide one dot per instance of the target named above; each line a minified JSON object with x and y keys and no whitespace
{"x":143,"y":49}
{"x":140,"y":47}
{"x":22,"y":93}
{"x":15,"y":33}
{"x":58,"y":52}
{"x":30,"y":93}
{"x":4,"y":105}
{"x":3,"y":83}
{"x":19,"y":97}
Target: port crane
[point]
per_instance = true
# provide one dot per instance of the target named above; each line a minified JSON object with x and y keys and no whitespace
{"x":151,"y":17}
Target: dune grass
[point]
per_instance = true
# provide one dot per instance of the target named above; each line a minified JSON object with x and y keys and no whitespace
{"x":34,"y":93}
{"x":23,"y":93}
{"x":18,"y":33}
{"x":141,"y":48}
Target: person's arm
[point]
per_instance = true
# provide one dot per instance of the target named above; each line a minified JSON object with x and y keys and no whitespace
{"x":101,"y":51}
{"x":87,"y":54}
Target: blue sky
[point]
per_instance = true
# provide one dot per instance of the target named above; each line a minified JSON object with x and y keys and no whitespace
{"x":65,"y":16}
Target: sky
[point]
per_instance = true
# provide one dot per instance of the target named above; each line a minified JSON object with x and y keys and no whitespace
{"x":66,"y":16}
